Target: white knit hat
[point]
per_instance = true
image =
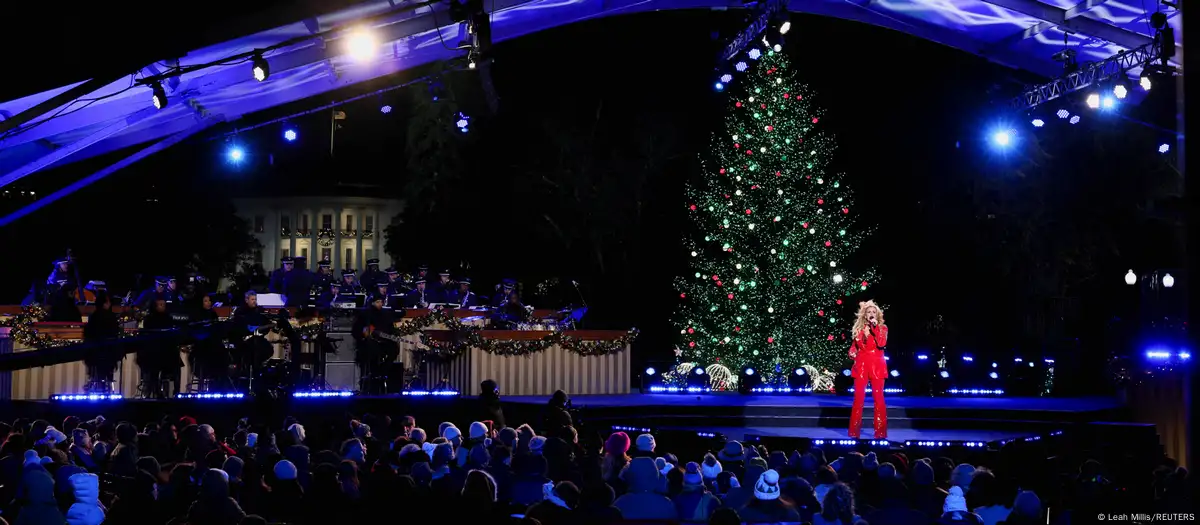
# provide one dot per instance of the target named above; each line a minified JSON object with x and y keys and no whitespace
{"x":710,"y":469}
{"x":767,"y":487}
{"x":478,"y":430}
{"x":451,"y":433}
{"x":955,"y":501}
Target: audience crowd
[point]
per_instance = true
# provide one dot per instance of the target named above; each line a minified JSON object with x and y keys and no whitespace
{"x":374,"y":469}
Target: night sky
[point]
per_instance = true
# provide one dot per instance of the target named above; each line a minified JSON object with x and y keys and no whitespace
{"x":910,"y":118}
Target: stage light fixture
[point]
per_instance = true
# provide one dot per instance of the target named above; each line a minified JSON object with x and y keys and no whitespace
{"x":698,"y":371}
{"x":289,"y":135}
{"x":1093,"y":100}
{"x":1108,"y":102}
{"x":1074,"y":119}
{"x":1002,"y":138}
{"x":361,"y":45}
{"x":1168,"y":281}
{"x":944,"y":374}
{"x":650,"y":371}
{"x":799,"y":371}
{"x":1144,"y":81}
{"x":719,"y":86}
{"x":160,"y":95}
{"x":895,"y":373}
{"x":1037,"y":123}
{"x":235,"y":154}
{"x":261,"y":69}
{"x":1164,"y":147}
{"x":1120,"y":91}
{"x":994,"y":375}
{"x":785,"y":27}
{"x":385,"y":109}
{"x":323,"y":394}
{"x":749,"y":371}
{"x":1062,"y":113}
{"x":1130,"y":278}
{"x":726,"y":78}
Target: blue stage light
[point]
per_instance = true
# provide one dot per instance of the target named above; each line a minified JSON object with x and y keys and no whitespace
{"x":650,"y":371}
{"x":754,"y":54}
{"x":678,"y":390}
{"x":800,"y":371}
{"x":923,"y":357}
{"x":944,"y":374}
{"x":640,"y":430}
{"x":1037,"y":123}
{"x":780,"y":390}
{"x":235,"y":154}
{"x":385,"y":109}
{"x":726,"y":78}
{"x":323,"y":393}
{"x":289,"y":135}
{"x":886,"y":390}
{"x":995,"y":364}
{"x":895,"y":373}
{"x":1002,"y":138}
{"x":87,"y":397}
{"x":424,"y":393}
{"x":1163,"y":148}
{"x":1108,"y":102}
{"x":975,"y":392}
{"x":740,"y":66}
{"x":211,"y":395}
{"x":846,"y":372}
{"x":1074,"y":119}
{"x":994,"y":375}
{"x":968,"y":358}
{"x":749,"y":371}
{"x":698,"y":371}
{"x":719,"y":86}
{"x":1062,"y":113}
{"x":463,"y":122}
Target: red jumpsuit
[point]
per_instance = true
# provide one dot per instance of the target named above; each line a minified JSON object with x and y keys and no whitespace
{"x":869,"y":366}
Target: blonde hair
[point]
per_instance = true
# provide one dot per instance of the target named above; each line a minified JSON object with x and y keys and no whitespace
{"x":860,"y":323}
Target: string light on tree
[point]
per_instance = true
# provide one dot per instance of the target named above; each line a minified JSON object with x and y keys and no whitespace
{"x":773,"y":139}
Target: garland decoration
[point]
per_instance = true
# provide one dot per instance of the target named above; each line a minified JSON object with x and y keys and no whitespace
{"x":466,"y":336}
{"x":22,"y":329}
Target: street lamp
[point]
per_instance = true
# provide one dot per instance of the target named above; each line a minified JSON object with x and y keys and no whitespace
{"x":1131,"y":278}
{"x":1168,"y":281}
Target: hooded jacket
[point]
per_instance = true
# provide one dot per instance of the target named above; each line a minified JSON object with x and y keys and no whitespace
{"x":643,"y":500}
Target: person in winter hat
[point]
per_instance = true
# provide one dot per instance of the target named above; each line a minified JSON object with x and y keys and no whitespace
{"x":86,"y":510}
{"x":733,"y":458}
{"x":710,"y":468}
{"x":664,"y":466}
{"x":742,"y":495}
{"x":926,"y":496}
{"x":961,"y":477}
{"x":536,"y":445}
{"x":558,"y":506}
{"x":694,"y":502}
{"x":954,"y":510}
{"x":36,"y":498}
{"x":870,"y":462}
{"x":642,"y":500}
{"x":767,"y":506}
{"x":615,"y":459}
{"x":825,"y":479}
{"x":285,"y":470}
{"x":417,"y":436}
{"x":643,"y":447}
{"x":478,"y":430}
{"x":454,"y":436}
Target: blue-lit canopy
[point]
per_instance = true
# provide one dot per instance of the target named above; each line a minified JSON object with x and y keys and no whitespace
{"x":1021,"y":34}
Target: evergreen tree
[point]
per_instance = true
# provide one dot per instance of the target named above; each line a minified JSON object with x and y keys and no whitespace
{"x":767,"y":287}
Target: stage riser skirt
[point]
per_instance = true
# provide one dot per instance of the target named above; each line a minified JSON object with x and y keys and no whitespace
{"x":535,"y":375}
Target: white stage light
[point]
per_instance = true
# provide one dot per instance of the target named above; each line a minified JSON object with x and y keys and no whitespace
{"x":1120,"y":91}
{"x":1130,"y":278}
{"x":361,"y":45}
{"x":785,"y":27}
{"x":261,"y":69}
{"x":1093,"y":100}
{"x":1168,"y":281}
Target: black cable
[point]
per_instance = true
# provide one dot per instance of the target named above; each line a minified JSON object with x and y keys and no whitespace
{"x":60,"y":113}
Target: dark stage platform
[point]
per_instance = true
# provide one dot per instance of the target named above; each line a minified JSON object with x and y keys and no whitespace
{"x":913,"y":421}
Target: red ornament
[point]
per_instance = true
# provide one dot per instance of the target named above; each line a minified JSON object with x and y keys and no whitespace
{"x":739,"y":104}
{"x":828,"y":244}
{"x":715,"y":277}
{"x":864,"y":283}
{"x":683,"y":296}
{"x":778,"y":173}
{"x":754,"y":187}
{"x":692,"y":344}
{"x":737,"y":329}
{"x":718,"y":283}
{"x":770,"y":128}
{"x":839,"y":301}
{"x":692,"y":207}
{"x":820,"y":201}
{"x":747,"y":211}
{"x":804,"y":224}
{"x":814,"y":120}
{"x":737,"y":146}
{"x":784,"y":279}
{"x":785,"y":95}
{"x":730,"y":297}
{"x":748,"y":152}
{"x":830,"y":337}
{"x":762,"y":106}
{"x":691,"y":330}
{"x":770,"y":339}
{"x":798,"y":97}
{"x":821,"y":313}
{"x":800,"y":271}
{"x":722,"y":171}
{"x":845,"y":210}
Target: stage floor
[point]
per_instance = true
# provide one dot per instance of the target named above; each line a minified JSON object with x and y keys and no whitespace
{"x":1067,"y":404}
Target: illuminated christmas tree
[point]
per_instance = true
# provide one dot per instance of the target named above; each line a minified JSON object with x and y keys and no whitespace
{"x":767,"y":288}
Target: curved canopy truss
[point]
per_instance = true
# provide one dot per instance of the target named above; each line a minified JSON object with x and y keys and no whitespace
{"x":105,"y":116}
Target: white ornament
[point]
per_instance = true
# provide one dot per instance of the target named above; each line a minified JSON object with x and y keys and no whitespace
{"x":812,"y":230}
{"x":780,"y":192}
{"x":833,"y":264}
{"x":772,"y":251}
{"x":820,"y":181}
{"x":770,"y":310}
{"x":776,"y":218}
{"x":768,"y":128}
{"x":739,"y":178}
{"x":738,"y":266}
{"x":738,"y":192}
{"x":837,"y":278}
{"x":777,"y":79}
{"x":693,"y":254}
{"x":762,"y":149}
{"x":735,"y":137}
{"x":737,"y":281}
{"x":751,"y":226}
{"x":751,"y":99}
{"x":819,"y":210}
{"x":777,"y":49}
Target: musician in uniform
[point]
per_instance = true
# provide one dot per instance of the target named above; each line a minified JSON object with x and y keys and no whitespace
{"x":101,"y":360}
{"x":371,"y":277}
{"x":62,"y":274}
{"x":503,"y":291}
{"x":248,"y":321}
{"x":331,"y":296}
{"x":324,"y":276}
{"x":422,"y":273}
{"x":349,"y":284}
{"x":463,"y":296}
{"x":298,"y":283}
{"x":145,"y":300}
{"x":159,"y":359}
{"x":374,"y":353}
{"x":510,"y":314}
{"x":442,"y":289}
{"x":417,"y":298}
{"x":285,"y":266}
{"x":174,"y":296}
{"x":396,"y":286}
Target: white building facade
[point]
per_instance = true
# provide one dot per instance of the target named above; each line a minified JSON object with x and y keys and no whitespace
{"x":345,"y":230}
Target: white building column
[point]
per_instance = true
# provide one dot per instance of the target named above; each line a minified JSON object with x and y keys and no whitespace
{"x":312,"y":232}
{"x":294,"y":224}
{"x":359,"y":221}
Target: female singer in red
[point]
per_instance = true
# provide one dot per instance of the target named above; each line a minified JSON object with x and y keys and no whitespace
{"x":870,"y":338}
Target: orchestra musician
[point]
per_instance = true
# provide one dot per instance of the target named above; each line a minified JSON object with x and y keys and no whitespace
{"x":510,"y":314}
{"x":503,"y":291}
{"x":101,"y":361}
{"x":146,"y":299}
{"x":331,"y":296}
{"x":441,"y":291}
{"x":463,"y":296}
{"x":349,"y":284}
{"x":277,"y":275}
{"x":371,"y":277}
{"x":417,"y":298}
{"x":248,"y":320}
{"x":298,"y":283}
{"x":62,"y":274}
{"x":159,"y":360}
{"x":324,"y":277}
{"x":209,"y":358}
{"x":374,"y":352}
{"x":396,"y":286}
